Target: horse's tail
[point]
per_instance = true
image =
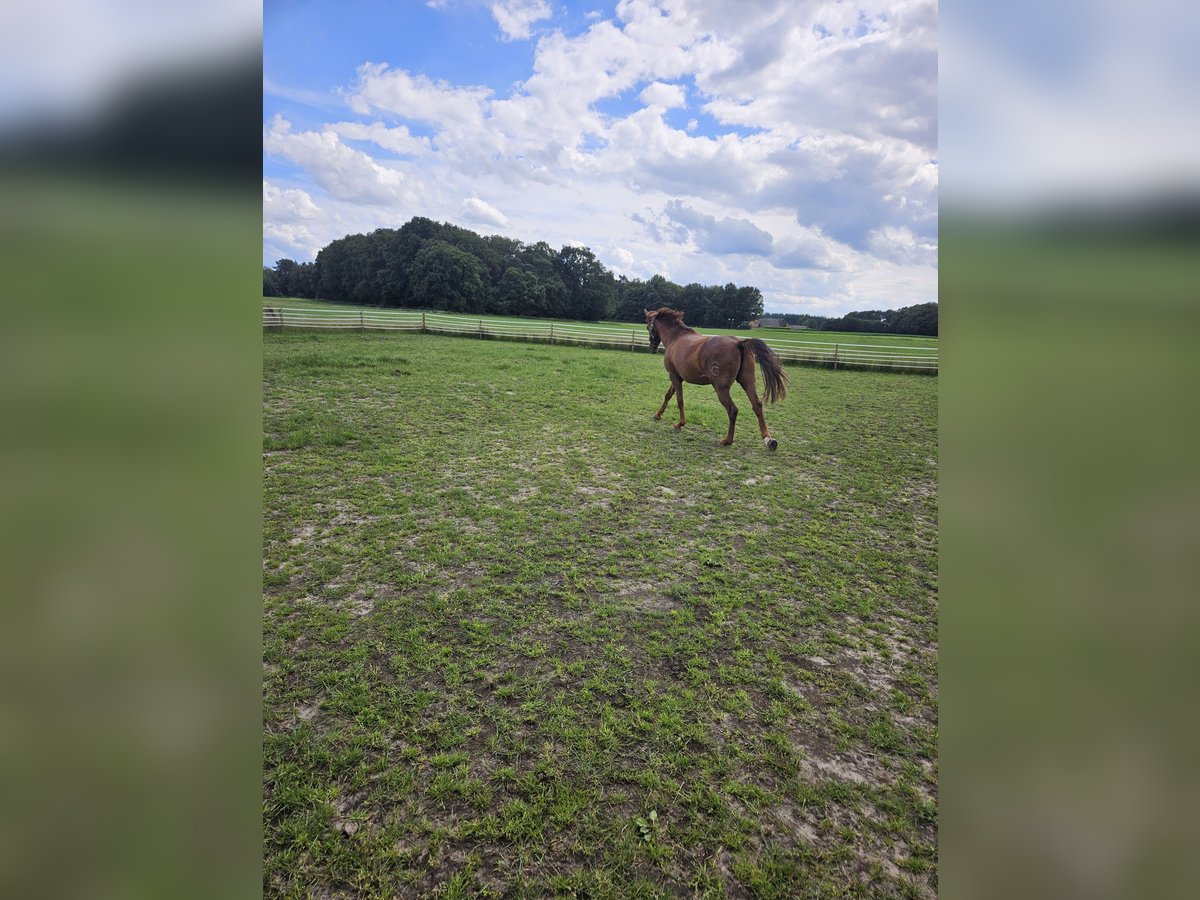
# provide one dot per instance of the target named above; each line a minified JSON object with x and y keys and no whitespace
{"x":774,"y":378}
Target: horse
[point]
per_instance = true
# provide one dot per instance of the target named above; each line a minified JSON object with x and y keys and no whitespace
{"x":718,"y":360}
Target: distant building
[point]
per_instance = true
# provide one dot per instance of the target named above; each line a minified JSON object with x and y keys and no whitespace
{"x":770,"y":322}
{"x":798,"y":327}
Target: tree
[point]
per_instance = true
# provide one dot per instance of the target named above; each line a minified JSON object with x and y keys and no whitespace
{"x":589,"y":284}
{"x":541,"y":259}
{"x":519,"y":293}
{"x":693,"y":304}
{"x":413,"y":266}
{"x":285,"y":277}
{"x":919,"y":319}
{"x":445,"y":277}
{"x":270,"y":283}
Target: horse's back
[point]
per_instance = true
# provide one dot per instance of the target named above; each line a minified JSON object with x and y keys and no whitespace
{"x":703,"y":359}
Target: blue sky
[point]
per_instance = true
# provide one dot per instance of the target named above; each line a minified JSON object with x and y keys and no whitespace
{"x":786,"y":144}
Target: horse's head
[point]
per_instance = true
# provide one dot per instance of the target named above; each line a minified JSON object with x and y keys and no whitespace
{"x":655,"y":340}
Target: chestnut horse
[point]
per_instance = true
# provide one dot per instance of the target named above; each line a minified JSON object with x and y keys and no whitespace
{"x":718,"y":360}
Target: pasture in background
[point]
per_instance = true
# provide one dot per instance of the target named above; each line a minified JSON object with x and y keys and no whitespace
{"x":521,"y":639}
{"x":857,"y":350}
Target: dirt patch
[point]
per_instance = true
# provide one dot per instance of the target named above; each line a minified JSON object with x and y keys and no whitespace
{"x":303,"y":534}
{"x":853,"y":767}
{"x":644,"y":596}
{"x":758,"y":479}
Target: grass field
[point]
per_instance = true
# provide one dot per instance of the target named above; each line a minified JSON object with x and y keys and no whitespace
{"x":769,"y":334}
{"x":522,"y":640}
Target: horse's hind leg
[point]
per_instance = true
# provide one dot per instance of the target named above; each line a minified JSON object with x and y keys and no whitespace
{"x":746,"y":378}
{"x":727,"y":402}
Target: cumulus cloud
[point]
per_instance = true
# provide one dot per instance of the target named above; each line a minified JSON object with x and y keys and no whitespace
{"x":720,"y":236}
{"x":288,"y":214}
{"x":806,"y":250}
{"x":625,"y":259}
{"x":867,"y":69}
{"x":901,"y":245}
{"x":665,"y":96}
{"x":516,"y":17}
{"x":398,"y":139}
{"x":288,"y":204}
{"x":475,"y":210}
{"x":345,"y":173}
{"x":396,"y":91}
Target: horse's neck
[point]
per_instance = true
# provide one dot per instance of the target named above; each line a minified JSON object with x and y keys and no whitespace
{"x":671,"y":333}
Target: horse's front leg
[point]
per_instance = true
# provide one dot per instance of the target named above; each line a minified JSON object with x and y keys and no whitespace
{"x":678,"y":388}
{"x":666,"y":400}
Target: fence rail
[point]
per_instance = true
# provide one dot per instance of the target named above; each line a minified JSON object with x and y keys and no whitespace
{"x":850,"y":356}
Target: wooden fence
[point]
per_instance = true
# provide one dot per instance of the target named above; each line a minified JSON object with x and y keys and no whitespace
{"x":632,"y":337}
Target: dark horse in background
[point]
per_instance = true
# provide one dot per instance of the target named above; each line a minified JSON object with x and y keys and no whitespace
{"x":719,"y":360}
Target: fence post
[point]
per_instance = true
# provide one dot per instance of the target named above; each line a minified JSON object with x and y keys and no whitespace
{"x":835,"y":352}
{"x":361,"y":327}
{"x":422,"y":321}
{"x":552,"y":332}
{"x":281,"y":320}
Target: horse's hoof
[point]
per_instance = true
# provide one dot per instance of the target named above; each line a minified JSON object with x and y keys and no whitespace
{"x":771,"y":443}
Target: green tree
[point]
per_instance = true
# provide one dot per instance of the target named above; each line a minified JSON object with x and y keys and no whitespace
{"x":445,"y":277}
{"x":589,"y":283}
{"x":919,"y":319}
{"x":285,"y":277}
{"x":541,"y":259}
{"x":519,"y":293}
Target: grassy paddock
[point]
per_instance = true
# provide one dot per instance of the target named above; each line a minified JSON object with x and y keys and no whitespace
{"x":521,"y":640}
{"x":768,"y":334}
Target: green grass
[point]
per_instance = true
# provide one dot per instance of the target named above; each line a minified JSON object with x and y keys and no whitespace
{"x":507,"y":616}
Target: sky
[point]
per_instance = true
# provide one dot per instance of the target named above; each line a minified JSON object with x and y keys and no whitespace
{"x":783,"y":144}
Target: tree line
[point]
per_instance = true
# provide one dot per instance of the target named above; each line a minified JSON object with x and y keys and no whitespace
{"x":436,"y":265}
{"x":919,"y":319}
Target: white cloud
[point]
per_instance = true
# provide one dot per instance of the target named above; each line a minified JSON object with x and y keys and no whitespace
{"x":395,"y":91}
{"x":397,"y":139}
{"x":288,"y":214}
{"x":900,"y":245}
{"x":806,"y":249}
{"x":475,"y":210}
{"x":664,"y":96}
{"x":515,"y":17}
{"x":625,"y":259}
{"x":288,"y":204}
{"x":720,"y":236}
{"x":345,"y":173}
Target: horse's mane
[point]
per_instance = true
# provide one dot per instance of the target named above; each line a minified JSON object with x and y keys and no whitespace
{"x":672,"y":315}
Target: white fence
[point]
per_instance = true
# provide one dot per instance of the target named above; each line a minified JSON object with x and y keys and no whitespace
{"x":633,"y":337}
